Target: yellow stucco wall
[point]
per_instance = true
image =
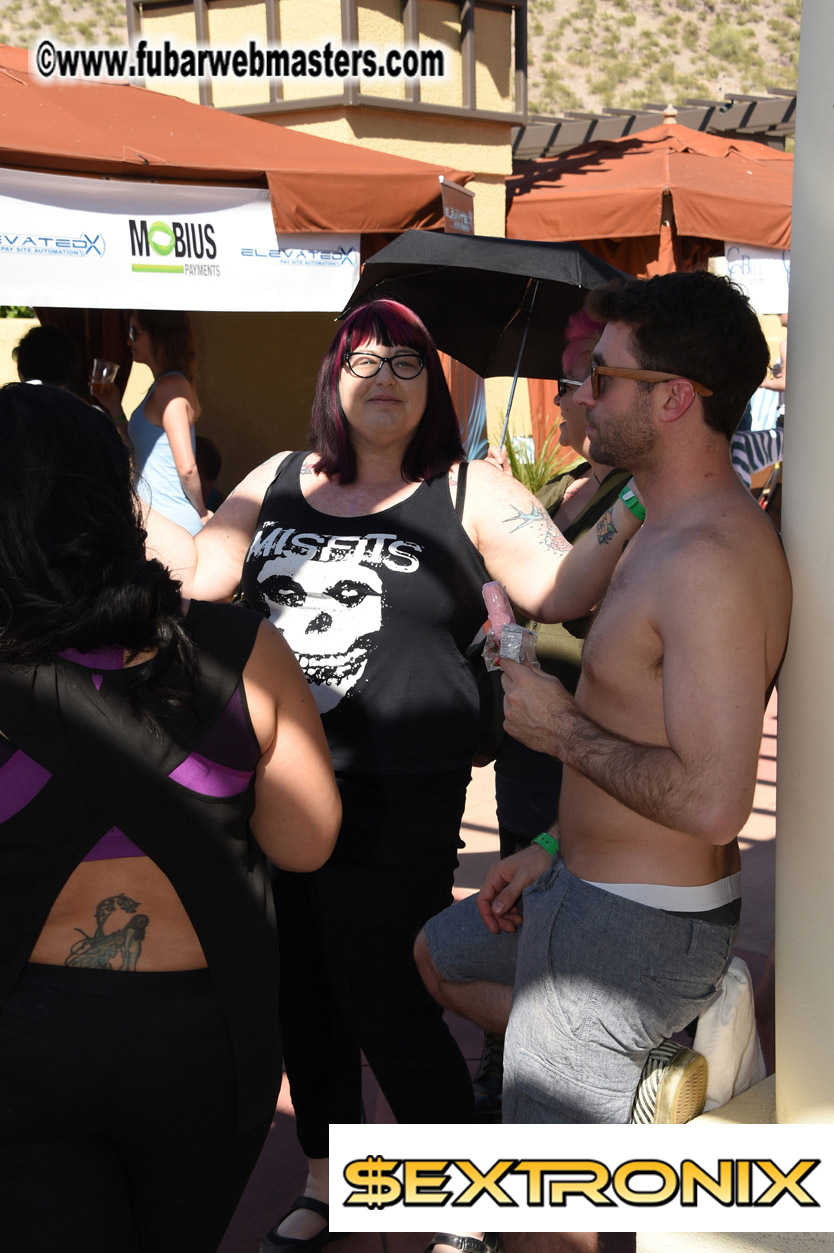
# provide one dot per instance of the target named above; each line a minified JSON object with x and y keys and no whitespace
{"x":309,"y":23}
{"x":256,"y":375}
{"x":176,"y":24}
{"x":233,"y":23}
{"x":12,"y":331}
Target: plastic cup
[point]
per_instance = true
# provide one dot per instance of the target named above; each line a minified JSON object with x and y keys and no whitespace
{"x":104,"y":374}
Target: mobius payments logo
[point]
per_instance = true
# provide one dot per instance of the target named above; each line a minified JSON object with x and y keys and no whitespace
{"x":173,"y":248}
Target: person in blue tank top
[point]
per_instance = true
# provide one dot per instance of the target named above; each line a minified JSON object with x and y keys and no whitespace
{"x":161,"y":427}
{"x":369,"y":553}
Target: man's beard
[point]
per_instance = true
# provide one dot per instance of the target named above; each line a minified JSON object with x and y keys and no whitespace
{"x":628,"y":441}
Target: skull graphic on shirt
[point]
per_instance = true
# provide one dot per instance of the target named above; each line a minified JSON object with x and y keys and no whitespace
{"x":329,"y":613}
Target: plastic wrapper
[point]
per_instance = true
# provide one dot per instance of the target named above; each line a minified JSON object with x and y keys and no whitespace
{"x":505,"y":638}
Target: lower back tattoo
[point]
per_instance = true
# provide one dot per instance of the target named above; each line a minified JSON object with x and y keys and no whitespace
{"x":101,"y":949}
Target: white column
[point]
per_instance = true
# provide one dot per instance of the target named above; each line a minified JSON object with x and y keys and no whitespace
{"x":805,"y":804}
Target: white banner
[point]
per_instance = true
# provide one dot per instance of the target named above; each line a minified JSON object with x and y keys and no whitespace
{"x":105,"y":244}
{"x":764,"y":273}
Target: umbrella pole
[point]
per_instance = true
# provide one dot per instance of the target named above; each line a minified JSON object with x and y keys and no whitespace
{"x":535,"y":289}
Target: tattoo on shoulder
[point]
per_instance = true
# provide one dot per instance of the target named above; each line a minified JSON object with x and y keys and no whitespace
{"x":305,"y":469}
{"x":552,"y":538}
{"x":100,"y":950}
{"x":605,"y":528}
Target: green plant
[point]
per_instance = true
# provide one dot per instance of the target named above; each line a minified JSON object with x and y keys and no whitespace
{"x":16,"y":311}
{"x":728,"y":43}
{"x":535,"y":468}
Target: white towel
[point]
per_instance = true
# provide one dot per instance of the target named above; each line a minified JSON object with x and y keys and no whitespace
{"x":727,"y":1037}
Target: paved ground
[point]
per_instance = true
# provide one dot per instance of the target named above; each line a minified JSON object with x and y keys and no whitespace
{"x":280,"y":1173}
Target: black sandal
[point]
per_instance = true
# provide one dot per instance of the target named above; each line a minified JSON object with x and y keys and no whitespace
{"x":272,"y":1241}
{"x":491,"y":1243}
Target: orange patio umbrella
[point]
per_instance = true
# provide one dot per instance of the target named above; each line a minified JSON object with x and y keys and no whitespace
{"x":105,"y":128}
{"x":661,"y":200}
{"x":656,"y":201}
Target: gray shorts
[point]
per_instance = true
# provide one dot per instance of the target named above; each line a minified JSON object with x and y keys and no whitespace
{"x":598,"y":981}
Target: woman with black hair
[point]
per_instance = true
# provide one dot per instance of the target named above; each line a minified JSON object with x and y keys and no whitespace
{"x":151,"y":752}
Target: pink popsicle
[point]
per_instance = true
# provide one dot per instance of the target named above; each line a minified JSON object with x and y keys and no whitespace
{"x":498,"y":607}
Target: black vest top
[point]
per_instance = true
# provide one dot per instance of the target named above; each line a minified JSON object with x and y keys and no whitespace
{"x":103,"y":767}
{"x":380,"y":610}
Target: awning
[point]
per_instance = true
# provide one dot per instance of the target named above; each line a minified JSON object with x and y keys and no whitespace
{"x":718,"y":188}
{"x":315,"y":185}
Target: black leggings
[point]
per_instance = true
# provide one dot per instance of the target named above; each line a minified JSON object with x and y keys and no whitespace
{"x":117,"y":1114}
{"x":348,"y":978}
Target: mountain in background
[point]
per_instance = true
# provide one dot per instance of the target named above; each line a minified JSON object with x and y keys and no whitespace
{"x":595,"y":54}
{"x":584,"y":54}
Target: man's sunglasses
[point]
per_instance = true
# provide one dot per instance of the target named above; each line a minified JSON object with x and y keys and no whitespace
{"x":641,"y":376}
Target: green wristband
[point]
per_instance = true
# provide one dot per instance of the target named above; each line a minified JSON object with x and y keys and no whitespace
{"x":548,"y":842}
{"x":633,"y":505}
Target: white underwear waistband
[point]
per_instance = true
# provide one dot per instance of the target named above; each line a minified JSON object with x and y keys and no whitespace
{"x":689,"y":900}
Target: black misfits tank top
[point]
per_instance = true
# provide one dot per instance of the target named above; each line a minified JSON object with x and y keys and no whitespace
{"x":379,"y":609}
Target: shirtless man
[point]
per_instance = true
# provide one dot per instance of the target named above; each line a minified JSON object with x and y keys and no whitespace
{"x":628,"y":926}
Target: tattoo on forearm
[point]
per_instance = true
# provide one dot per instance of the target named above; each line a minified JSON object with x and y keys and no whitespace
{"x":101,"y":949}
{"x":552,"y":538}
{"x":605,"y":528}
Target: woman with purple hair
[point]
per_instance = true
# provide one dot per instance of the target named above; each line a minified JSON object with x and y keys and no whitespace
{"x":369,"y":553}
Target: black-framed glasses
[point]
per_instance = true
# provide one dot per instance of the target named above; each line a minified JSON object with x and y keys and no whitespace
{"x":563,"y":386}
{"x":641,"y":376}
{"x":133,"y":333}
{"x":404,"y":365}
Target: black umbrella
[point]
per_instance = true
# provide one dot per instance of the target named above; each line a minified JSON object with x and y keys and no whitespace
{"x":497,"y":305}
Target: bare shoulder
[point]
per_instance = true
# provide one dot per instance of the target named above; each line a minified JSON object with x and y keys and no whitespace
{"x":223,"y":542}
{"x":254,"y":486}
{"x":171,"y":387}
{"x":168,"y":390}
{"x":726,"y":569}
{"x":168,"y":385}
